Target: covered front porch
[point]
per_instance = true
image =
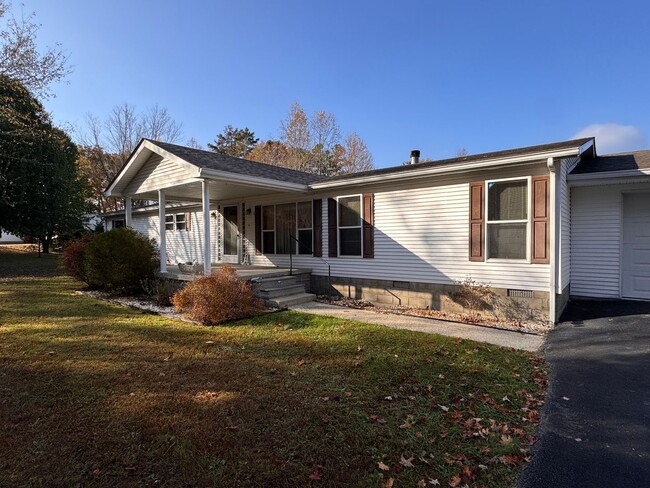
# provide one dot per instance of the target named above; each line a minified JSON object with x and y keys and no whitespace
{"x":217,"y":186}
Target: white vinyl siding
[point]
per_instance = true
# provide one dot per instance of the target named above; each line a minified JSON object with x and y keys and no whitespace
{"x":421,"y":235}
{"x":595,"y":241}
{"x":156,"y":173}
{"x":182,"y":246}
{"x":564,"y":247}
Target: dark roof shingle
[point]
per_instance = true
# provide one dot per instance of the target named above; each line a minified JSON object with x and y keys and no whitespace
{"x":223,"y":162}
{"x":523,"y":151}
{"x":614,"y":162}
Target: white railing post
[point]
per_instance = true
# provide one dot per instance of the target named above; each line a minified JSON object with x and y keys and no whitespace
{"x":207,"y":258}
{"x":128,"y":203}
{"x":163,"y":236}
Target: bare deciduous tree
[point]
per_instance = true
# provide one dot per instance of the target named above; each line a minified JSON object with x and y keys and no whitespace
{"x":21,"y":59}
{"x":157,"y":124}
{"x":192,"y":142}
{"x":356,"y":156}
{"x":295,"y":134}
{"x":461,"y":153}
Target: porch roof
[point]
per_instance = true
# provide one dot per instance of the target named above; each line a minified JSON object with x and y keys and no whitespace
{"x":195,"y":165}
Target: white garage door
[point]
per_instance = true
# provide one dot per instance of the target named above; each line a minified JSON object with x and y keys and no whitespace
{"x":636,"y":245}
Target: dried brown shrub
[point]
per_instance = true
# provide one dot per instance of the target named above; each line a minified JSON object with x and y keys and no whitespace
{"x":217,"y":298}
{"x":73,"y":258}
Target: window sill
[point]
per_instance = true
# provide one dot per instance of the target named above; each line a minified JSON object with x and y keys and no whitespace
{"x":504,"y":260}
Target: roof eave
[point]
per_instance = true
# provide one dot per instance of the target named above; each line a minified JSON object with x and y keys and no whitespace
{"x":254,"y":181}
{"x":452,"y":168}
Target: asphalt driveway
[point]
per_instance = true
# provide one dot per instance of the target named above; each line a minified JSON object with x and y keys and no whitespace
{"x":595,"y":429}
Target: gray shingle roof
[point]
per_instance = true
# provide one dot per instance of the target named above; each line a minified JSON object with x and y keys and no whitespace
{"x":556,"y":146}
{"x":223,"y":162}
{"x":614,"y":162}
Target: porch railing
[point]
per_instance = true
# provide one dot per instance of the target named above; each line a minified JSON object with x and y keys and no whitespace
{"x":309,"y":251}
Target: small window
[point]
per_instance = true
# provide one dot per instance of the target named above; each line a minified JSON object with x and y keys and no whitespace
{"x":349,"y":225}
{"x":305,"y":231}
{"x":507,"y":219}
{"x":175,"y":222}
{"x":180,"y":221}
{"x":268,"y":229}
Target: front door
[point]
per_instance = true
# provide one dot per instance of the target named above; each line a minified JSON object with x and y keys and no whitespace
{"x":636,"y":245}
{"x":231,"y":234}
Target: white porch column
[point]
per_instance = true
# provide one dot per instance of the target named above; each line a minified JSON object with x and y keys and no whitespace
{"x":163,"y":236}
{"x":128,"y":203}
{"x":207,"y":258}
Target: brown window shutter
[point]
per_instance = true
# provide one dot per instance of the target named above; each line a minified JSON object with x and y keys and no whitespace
{"x":477,"y":221}
{"x":368,"y":225}
{"x":540,"y":239}
{"x":258,"y":230}
{"x":188,"y":221}
{"x":332,"y":239}
{"x":317,"y":226}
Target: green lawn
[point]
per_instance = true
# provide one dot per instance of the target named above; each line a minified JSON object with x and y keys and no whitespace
{"x":93,"y":394}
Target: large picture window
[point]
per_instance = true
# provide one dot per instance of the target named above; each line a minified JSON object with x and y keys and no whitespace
{"x":281,"y":222}
{"x":507,"y":219}
{"x":349,"y":225}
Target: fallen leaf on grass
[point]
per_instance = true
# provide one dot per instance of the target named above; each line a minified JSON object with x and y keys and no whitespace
{"x":315,"y":475}
{"x":455,"y":481}
{"x":300,"y":363}
{"x":407,"y":463}
{"x":388,"y":483}
{"x":382,"y":466}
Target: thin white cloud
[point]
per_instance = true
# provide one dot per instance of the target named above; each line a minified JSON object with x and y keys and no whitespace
{"x":613,"y":138}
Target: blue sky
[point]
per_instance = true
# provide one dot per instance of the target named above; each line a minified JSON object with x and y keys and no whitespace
{"x":432,"y":75}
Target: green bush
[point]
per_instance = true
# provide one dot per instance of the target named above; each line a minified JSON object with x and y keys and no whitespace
{"x":74,"y":258}
{"x":119,"y":260}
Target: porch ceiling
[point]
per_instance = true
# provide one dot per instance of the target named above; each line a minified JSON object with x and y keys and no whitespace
{"x":219,"y":190}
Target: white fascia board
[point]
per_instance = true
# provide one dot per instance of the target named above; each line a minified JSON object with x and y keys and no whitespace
{"x":452,"y":168}
{"x":609,"y":177}
{"x":110,"y":191}
{"x":252,"y":181}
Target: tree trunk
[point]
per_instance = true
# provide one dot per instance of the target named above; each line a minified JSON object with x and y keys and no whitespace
{"x":46,"y":244}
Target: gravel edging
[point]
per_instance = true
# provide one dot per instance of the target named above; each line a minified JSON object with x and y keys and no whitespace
{"x":388,"y":311}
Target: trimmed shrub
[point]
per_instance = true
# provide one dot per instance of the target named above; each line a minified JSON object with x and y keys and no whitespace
{"x":119,"y":260}
{"x":73,"y":258}
{"x":217,"y":298}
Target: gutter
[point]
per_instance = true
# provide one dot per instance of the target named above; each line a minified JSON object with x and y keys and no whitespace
{"x":251,"y":180}
{"x":552,"y":306}
{"x":452,"y":168}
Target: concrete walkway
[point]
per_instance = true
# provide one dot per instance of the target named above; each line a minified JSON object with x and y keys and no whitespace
{"x":505,"y":338}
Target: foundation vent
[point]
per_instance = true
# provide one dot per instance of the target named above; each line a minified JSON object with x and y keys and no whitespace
{"x":520,"y":293}
{"x":401,"y":285}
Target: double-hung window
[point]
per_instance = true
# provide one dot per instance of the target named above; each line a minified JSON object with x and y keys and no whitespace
{"x":305,"y":230}
{"x":507,"y":219}
{"x":349,"y":225}
{"x":268,"y":229}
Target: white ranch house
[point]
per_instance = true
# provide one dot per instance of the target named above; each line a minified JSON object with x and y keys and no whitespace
{"x":537,"y":224}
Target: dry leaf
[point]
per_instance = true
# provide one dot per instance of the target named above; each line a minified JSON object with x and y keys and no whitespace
{"x":301,"y":362}
{"x":388,"y":483}
{"x":382,"y":466}
{"x":407,"y":463}
{"x":455,"y":481}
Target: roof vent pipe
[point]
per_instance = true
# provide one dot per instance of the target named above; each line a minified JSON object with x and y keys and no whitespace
{"x":415,"y":156}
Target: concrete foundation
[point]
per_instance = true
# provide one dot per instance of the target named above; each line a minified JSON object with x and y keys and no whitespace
{"x":452,"y":298}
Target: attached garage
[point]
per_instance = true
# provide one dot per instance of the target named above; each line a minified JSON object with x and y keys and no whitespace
{"x":635,"y":273}
{"x":610,"y":227}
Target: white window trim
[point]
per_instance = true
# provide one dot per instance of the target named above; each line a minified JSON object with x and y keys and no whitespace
{"x":298,"y":229}
{"x":294,"y":232}
{"x":527,"y":221}
{"x":339,"y":227}
{"x":174,"y":222}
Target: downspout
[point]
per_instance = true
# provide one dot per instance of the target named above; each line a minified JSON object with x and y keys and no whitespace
{"x":550,"y":163}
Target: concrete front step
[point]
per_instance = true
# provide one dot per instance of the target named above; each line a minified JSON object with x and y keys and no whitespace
{"x":268,"y":293}
{"x":289,"y":300}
